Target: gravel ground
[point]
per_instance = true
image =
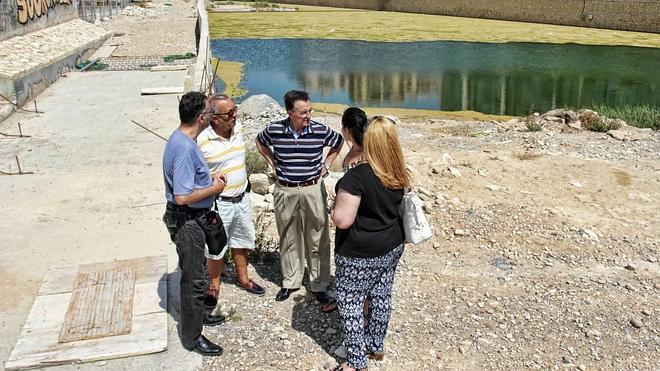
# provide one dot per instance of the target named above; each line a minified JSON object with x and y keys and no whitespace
{"x":155,"y":28}
{"x":545,"y":256}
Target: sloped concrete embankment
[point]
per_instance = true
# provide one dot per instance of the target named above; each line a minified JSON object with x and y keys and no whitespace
{"x":31,"y":62}
{"x":629,"y":15}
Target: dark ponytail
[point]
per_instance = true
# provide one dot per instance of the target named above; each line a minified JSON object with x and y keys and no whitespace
{"x":355,"y":121}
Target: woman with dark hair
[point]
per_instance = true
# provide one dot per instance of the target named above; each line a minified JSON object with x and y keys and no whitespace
{"x":369,"y":241}
{"x":353,"y":123}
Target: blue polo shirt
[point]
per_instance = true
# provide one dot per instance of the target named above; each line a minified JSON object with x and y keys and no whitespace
{"x":185,"y":170}
{"x":298,"y":158}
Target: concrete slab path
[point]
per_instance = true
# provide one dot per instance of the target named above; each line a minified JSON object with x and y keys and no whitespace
{"x":96,"y":193}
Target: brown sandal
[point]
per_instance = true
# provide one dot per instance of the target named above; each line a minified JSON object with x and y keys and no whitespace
{"x":376,"y":356}
{"x":330,"y":307}
{"x":341,"y":368}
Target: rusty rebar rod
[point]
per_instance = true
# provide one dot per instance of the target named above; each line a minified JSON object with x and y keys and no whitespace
{"x":149,"y":130}
{"x":20,"y":170}
{"x":11,"y":136}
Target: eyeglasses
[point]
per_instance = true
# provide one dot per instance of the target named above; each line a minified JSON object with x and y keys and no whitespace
{"x":305,"y":113}
{"x":229,"y":113}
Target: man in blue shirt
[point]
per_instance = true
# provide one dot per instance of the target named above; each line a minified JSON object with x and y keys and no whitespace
{"x":190,"y":193}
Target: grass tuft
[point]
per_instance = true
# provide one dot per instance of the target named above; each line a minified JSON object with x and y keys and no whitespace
{"x":173,"y":57}
{"x":533,"y":125}
{"x":255,"y":163}
{"x":641,"y":116}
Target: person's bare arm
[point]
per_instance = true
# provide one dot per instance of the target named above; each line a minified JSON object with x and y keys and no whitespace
{"x":267,"y":153}
{"x":345,"y":210}
{"x":330,"y":158}
{"x":219,"y":183}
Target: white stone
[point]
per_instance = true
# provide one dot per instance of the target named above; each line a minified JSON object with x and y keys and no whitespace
{"x":493,"y":187}
{"x":454,"y":171}
{"x":340,"y":352}
{"x":576,"y":183}
{"x":461,"y":232}
{"x":259,"y":183}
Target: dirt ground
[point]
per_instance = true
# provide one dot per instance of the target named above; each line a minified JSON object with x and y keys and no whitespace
{"x":153,"y":28}
{"x":545,"y":256}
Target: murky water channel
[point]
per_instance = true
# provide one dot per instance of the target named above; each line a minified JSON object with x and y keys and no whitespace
{"x":509,"y":79}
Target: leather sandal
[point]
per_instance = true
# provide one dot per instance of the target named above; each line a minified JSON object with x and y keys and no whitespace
{"x":376,"y":356}
{"x":344,"y":366}
{"x":330,"y":307}
{"x":252,"y":287}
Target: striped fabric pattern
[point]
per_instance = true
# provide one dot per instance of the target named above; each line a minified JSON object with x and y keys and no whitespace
{"x":298,"y":159}
{"x":226,"y":156}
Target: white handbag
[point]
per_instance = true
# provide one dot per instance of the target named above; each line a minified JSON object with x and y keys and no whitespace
{"x":415,"y":225}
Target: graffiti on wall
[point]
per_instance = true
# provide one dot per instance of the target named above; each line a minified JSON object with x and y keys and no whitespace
{"x":29,"y":9}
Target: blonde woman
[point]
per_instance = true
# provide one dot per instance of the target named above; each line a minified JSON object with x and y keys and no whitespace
{"x":369,"y":241}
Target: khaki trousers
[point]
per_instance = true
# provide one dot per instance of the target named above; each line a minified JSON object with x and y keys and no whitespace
{"x":302,"y":223}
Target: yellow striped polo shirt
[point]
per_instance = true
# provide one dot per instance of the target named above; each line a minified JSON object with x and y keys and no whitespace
{"x":226,"y":156}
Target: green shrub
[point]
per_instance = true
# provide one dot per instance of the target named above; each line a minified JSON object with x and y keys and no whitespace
{"x":601,"y":125}
{"x":98,"y":66}
{"x":641,"y":116}
{"x":173,"y":57}
{"x":533,"y":125}
{"x":255,"y":163}
{"x":265,"y":247}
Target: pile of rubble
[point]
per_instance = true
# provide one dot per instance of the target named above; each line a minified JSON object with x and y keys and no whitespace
{"x":562,"y":120}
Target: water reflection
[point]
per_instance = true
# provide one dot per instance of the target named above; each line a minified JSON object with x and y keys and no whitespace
{"x":492,"y":78}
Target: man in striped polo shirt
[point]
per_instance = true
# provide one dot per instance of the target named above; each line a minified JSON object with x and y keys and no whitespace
{"x":300,"y":198}
{"x":224,"y":151}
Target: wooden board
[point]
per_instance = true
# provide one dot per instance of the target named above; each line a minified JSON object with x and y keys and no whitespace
{"x":168,"y":68}
{"x":101,"y":305}
{"x":39,"y":346}
{"x":164,"y":90}
{"x":147,"y":269}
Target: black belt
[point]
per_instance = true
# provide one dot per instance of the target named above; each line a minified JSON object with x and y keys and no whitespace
{"x":239,"y":198}
{"x":190,"y":212}
{"x":299,"y":184}
{"x":234,"y":200}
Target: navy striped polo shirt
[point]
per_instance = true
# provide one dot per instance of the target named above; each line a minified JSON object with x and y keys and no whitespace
{"x":298,"y":159}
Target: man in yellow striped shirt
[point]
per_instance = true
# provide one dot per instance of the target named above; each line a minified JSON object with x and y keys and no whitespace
{"x":224,"y":151}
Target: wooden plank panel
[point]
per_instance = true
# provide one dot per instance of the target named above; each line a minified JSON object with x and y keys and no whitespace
{"x":147,"y":269}
{"x":39,"y":346}
{"x":149,"y":335}
{"x":61,"y":280}
{"x":101,"y":305}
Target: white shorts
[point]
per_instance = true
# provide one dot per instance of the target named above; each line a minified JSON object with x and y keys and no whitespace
{"x":237,"y":219}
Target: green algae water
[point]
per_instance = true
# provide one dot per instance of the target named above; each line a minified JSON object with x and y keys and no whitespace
{"x":502,"y":79}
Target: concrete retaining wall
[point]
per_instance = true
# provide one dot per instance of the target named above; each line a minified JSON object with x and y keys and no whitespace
{"x":631,"y":15}
{"x":18,"y":17}
{"x":201,"y":79}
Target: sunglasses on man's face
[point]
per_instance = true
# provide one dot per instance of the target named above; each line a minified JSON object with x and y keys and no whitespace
{"x":229,"y":113}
